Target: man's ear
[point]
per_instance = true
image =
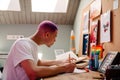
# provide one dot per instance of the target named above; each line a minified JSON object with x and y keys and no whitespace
{"x":46,"y":34}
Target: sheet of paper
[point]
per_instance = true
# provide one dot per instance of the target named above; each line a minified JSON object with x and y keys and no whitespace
{"x":66,"y":55}
{"x":115,"y":4}
{"x":95,"y":9}
{"x":79,"y":70}
{"x":86,"y":22}
{"x":105,"y":31}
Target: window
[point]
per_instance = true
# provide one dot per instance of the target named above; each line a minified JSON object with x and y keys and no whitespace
{"x":10,"y":5}
{"x":49,"y":6}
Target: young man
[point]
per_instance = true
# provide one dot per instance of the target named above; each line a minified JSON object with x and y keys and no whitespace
{"x":22,"y":62}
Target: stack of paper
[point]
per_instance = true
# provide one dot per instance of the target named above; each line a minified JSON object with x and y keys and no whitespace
{"x":81,"y":62}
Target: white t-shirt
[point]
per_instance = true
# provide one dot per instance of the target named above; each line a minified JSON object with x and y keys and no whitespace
{"x":22,"y":49}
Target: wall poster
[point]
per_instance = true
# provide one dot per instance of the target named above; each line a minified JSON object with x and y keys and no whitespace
{"x":85,"y":44}
{"x":95,"y":9}
{"x":105,"y":27}
{"x":93,"y":32}
{"x":86,"y":22}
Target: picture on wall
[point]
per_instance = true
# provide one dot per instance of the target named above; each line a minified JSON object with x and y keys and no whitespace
{"x":85,"y":44}
{"x":93,"y":32}
{"x":86,"y":22}
{"x":115,"y":4}
{"x":105,"y":27}
{"x":95,"y":9}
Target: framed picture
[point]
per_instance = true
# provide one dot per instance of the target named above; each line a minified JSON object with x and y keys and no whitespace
{"x":95,"y":9}
{"x":86,"y":22}
{"x":85,"y":44}
{"x":93,"y":32}
{"x":105,"y":28}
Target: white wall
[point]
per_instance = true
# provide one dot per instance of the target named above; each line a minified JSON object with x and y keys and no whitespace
{"x":77,"y":22}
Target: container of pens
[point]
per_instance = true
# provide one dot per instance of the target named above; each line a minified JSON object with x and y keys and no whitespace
{"x":94,"y":57}
{"x":93,"y":62}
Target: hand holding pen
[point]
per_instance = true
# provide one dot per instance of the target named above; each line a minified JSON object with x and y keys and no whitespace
{"x":71,"y":60}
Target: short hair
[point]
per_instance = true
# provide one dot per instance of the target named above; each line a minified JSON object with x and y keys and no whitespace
{"x":47,"y":25}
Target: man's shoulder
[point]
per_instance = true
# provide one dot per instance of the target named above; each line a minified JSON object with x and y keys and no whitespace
{"x":22,"y":40}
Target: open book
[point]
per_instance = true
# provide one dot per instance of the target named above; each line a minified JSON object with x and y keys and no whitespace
{"x":81,"y":62}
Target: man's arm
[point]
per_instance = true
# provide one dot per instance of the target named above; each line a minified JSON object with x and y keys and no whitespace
{"x":51,"y":62}
{"x":33,"y":71}
{"x":54,"y":62}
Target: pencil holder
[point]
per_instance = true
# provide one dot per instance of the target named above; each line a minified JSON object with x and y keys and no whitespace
{"x":96,"y":59}
{"x":94,"y":62}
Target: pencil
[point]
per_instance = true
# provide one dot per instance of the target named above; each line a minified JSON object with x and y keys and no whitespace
{"x":98,"y":77}
{"x":69,"y":59}
{"x":86,"y":69}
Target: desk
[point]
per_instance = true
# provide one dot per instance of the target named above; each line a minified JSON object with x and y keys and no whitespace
{"x":76,"y":76}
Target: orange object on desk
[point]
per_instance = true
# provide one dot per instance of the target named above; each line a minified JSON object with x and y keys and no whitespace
{"x":86,"y":69}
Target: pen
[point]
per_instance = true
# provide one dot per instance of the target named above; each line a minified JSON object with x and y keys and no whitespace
{"x":69,"y":59}
{"x":98,"y":78}
{"x":86,"y":69}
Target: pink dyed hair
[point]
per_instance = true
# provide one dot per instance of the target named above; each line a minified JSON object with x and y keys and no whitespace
{"x":48,"y":25}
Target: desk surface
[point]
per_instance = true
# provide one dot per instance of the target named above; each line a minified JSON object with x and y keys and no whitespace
{"x":76,"y":76}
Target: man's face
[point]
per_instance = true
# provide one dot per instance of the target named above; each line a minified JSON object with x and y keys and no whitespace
{"x":51,"y":38}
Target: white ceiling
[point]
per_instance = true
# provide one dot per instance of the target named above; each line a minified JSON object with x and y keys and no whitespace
{"x":25,"y":16}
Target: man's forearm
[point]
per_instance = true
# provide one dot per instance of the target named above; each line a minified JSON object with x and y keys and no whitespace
{"x":48,"y":62}
{"x":51,"y":71}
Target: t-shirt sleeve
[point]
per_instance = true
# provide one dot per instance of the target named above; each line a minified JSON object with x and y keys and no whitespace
{"x":21,"y":52}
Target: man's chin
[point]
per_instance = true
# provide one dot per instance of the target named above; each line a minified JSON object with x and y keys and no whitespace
{"x":48,"y":45}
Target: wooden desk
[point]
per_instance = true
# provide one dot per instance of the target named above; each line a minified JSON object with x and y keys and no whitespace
{"x":76,"y":76}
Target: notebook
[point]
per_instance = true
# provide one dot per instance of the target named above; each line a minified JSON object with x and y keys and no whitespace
{"x":81,"y":62}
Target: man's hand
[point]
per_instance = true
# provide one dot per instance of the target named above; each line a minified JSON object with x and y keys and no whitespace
{"x":69,"y":67}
